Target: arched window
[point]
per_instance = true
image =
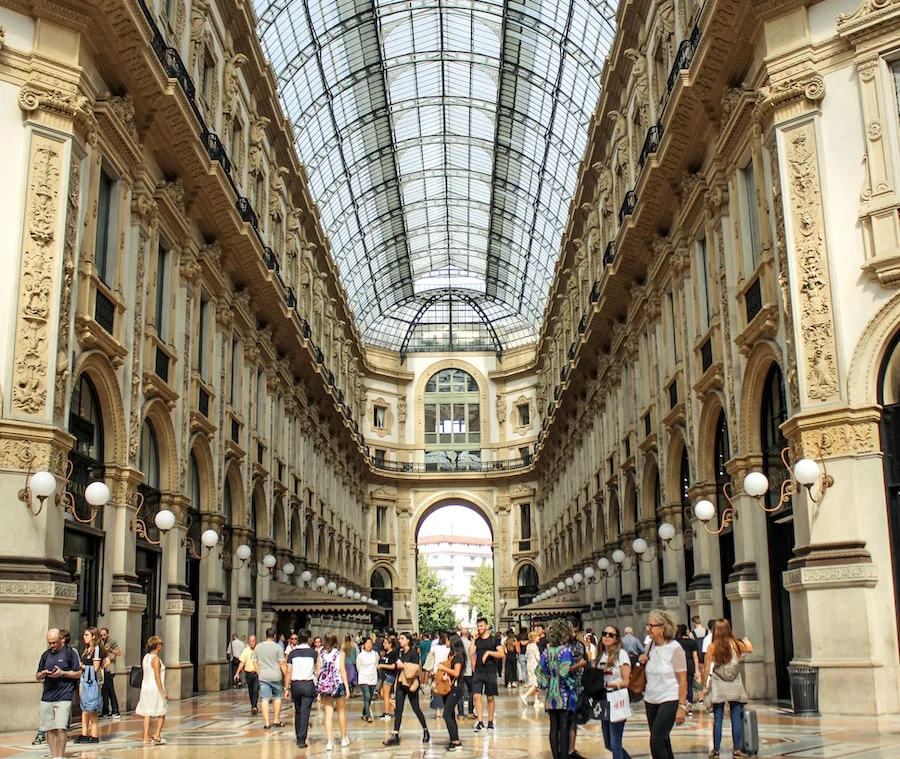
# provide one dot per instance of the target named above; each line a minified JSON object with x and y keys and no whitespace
{"x":528,"y":584}
{"x":452,"y":413}
{"x":86,"y":421}
{"x":148,"y":460}
{"x":779,"y":524}
{"x":721,"y":454}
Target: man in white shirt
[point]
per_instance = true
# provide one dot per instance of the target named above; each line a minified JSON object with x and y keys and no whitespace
{"x":233,"y":654}
{"x":707,"y":639}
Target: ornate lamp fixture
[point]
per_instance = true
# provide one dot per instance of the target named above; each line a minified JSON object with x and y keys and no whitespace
{"x":163,"y":519}
{"x":806,"y":472}
{"x":209,"y":539}
{"x":41,"y":485}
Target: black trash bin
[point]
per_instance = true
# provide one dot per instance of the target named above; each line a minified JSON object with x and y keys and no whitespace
{"x":804,"y":689}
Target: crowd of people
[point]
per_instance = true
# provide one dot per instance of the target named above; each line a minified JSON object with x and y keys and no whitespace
{"x":458,"y":672}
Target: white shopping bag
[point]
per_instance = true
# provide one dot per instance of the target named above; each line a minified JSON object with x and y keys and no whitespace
{"x":619,"y":705}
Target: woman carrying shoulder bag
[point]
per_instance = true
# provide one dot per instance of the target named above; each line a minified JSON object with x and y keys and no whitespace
{"x":616,"y":666}
{"x":452,"y":667}
{"x":665,"y":697}
{"x":722,"y":670}
{"x":406,"y":691}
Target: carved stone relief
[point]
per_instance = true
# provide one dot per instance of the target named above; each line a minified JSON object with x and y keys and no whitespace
{"x":63,"y":370}
{"x":36,"y":277}
{"x":816,"y":314}
{"x":783,"y":283}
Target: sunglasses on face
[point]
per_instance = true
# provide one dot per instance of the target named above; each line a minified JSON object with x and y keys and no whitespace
{"x":608,"y":635}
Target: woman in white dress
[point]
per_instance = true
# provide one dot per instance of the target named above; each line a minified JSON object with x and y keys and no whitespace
{"x":153,"y":692}
{"x":532,"y":659}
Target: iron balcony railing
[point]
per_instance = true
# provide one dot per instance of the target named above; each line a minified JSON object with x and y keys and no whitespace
{"x":442,"y":467}
{"x":651,"y":143}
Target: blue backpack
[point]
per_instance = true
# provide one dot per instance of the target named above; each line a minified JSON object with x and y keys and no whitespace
{"x":90,"y":690}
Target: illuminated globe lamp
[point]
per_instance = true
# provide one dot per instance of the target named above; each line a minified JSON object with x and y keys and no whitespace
{"x":756,"y":484}
{"x":306,"y":577}
{"x":164,"y":520}
{"x":639,"y":546}
{"x":321,"y":582}
{"x":332,"y":586}
{"x":618,"y":556}
{"x":243,"y":553}
{"x":666,"y":531}
{"x":288,"y":569}
{"x":209,"y":538}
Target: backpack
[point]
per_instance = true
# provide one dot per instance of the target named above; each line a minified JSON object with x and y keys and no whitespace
{"x":90,"y":690}
{"x":329,"y":682}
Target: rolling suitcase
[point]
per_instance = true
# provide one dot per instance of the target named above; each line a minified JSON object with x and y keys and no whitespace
{"x":749,"y":732}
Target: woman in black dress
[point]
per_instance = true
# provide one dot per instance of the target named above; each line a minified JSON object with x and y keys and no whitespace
{"x":407,"y":689}
{"x":691,"y":653}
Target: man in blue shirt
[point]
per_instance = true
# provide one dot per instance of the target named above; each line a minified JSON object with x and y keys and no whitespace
{"x":59,"y":670}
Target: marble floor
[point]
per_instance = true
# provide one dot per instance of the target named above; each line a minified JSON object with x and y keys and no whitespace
{"x":220,"y":725}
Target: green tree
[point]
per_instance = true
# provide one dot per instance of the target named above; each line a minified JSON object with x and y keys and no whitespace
{"x":481,"y":593}
{"x":435,"y":602}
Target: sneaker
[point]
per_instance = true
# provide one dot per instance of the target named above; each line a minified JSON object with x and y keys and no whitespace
{"x":738,"y":754}
{"x":39,"y":739}
{"x":491,"y":727}
{"x":471,"y":715}
{"x":713,"y":754}
{"x":91,"y":739}
{"x":453,"y":747}
{"x":479,"y":726}
{"x":117,"y":716}
{"x":345,"y":742}
{"x":329,"y":747}
{"x":302,"y":744}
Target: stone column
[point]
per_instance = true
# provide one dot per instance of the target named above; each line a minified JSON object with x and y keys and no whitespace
{"x":127,"y":600}
{"x":700,"y":589}
{"x":215,"y":670}
{"x":179,"y":604}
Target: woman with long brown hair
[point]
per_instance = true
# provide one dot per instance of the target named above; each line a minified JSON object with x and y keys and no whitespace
{"x":387,"y":669}
{"x":91,"y":663}
{"x":331,"y":682}
{"x":722,"y":670}
{"x":407,"y":690}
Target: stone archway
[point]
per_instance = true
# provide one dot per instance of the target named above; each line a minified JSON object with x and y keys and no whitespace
{"x":504,"y":598}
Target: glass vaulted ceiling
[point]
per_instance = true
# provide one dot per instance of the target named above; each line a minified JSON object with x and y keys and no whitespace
{"x":442,"y":140}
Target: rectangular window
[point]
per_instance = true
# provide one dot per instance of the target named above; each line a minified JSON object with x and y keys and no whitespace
{"x":161,"y":287}
{"x":671,"y":322}
{"x":235,"y":371}
{"x":430,"y":423}
{"x":381,"y":532}
{"x":751,"y":222}
{"x":260,"y":396}
{"x":525,"y":520}
{"x":378,"y":417}
{"x":380,"y":455}
{"x":524,"y":415}
{"x":207,"y":76}
{"x":702,"y":289}
{"x":237,"y":142}
{"x":202,"y":328}
{"x":474,"y":423}
{"x":104,"y":258}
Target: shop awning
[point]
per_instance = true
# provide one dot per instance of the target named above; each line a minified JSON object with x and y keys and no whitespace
{"x":552,"y":607}
{"x":285,"y":597}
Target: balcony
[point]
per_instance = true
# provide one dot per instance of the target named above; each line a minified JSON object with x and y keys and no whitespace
{"x":595,"y":292}
{"x":651,"y":143}
{"x":609,"y":255}
{"x":582,"y":324}
{"x":271,"y":260}
{"x":628,"y":205}
{"x":216,"y":150}
{"x":451,"y":466}
{"x":245,"y":209}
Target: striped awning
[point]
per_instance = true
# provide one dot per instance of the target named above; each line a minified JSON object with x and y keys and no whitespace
{"x":557,"y":606}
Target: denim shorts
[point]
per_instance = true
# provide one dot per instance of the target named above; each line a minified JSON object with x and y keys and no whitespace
{"x":269,"y":690}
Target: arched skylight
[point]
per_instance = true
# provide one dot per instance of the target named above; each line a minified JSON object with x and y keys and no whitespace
{"x":442,"y":140}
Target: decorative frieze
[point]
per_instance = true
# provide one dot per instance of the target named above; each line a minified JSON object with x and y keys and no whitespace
{"x":184,"y":607}
{"x":814,"y":288}
{"x":127,"y":602}
{"x":842,"y":576}
{"x":63,"y":370}
{"x":38,"y":592}
{"x":30,"y":385}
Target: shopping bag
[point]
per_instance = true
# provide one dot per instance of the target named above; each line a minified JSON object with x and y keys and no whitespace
{"x":136,"y":677}
{"x":619,"y":705}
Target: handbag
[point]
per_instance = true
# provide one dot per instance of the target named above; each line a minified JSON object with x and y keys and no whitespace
{"x":136,"y":677}
{"x":637,"y":683}
{"x":442,"y":685}
{"x":619,"y":705}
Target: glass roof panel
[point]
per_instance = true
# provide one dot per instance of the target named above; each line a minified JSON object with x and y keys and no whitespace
{"x":442,"y":143}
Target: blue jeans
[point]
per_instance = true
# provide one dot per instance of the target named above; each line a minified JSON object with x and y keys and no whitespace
{"x":367,"y":692}
{"x":612,"y":739}
{"x":737,"y":711}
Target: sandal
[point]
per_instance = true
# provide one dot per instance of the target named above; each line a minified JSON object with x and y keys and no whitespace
{"x":266,"y":727}
{"x":278,"y":724}
{"x":159,"y":741}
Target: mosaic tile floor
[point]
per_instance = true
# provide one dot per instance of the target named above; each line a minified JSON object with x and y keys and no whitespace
{"x":220,"y":725}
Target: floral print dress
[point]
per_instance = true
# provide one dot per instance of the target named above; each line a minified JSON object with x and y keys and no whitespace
{"x":553,"y":677}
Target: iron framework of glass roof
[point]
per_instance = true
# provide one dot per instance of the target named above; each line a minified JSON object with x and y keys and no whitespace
{"x":442,"y":140}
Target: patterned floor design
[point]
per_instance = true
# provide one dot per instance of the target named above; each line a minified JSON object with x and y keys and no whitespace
{"x":220,"y":725}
